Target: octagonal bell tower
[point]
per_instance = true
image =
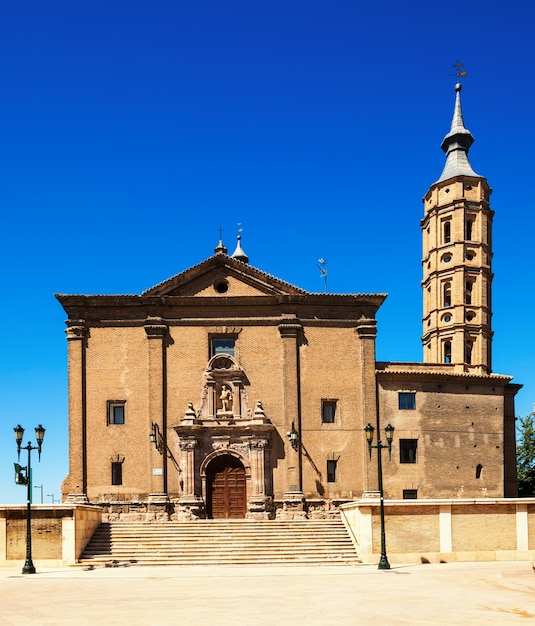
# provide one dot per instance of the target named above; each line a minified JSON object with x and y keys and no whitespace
{"x":457,"y":255}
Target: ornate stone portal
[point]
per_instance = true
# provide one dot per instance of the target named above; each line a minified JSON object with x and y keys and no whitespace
{"x":224,"y":427}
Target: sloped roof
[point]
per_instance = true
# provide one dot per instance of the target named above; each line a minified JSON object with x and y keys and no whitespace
{"x":178,"y":284}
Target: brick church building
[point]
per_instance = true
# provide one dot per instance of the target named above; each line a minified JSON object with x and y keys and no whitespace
{"x":225,"y":392}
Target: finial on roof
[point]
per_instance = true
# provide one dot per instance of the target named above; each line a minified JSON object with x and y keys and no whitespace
{"x":456,"y":144}
{"x":220,"y":248}
{"x":239,"y":252}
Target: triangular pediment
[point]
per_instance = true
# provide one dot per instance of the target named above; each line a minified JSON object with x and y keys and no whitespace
{"x":221,"y":275}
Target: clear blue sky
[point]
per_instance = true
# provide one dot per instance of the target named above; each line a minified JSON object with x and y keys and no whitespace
{"x":131,"y":130}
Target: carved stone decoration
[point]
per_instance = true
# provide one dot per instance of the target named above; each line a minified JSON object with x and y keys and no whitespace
{"x":259,"y":410}
{"x":226,"y":399}
{"x":190,"y":416}
{"x":76,"y":330}
{"x":223,"y":396}
{"x":188,"y":444}
{"x":224,"y":425}
{"x":243,"y":448}
{"x":259,"y":444}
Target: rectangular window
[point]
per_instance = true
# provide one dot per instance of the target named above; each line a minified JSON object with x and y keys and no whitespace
{"x":116,"y":473}
{"x":407,"y":400}
{"x":222,"y":345}
{"x":410,"y":494}
{"x":407,"y":450}
{"x":116,"y":411}
{"x":328,"y":411}
{"x":331,"y":471}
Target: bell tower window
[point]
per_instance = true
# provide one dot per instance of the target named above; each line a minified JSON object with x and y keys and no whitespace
{"x":447,"y":351}
{"x":446,"y":294}
{"x":468,"y":292}
{"x":446,"y":232}
{"x":468,"y":349}
{"x":469,"y":229}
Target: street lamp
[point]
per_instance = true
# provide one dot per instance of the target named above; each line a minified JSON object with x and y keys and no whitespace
{"x":389,"y":432}
{"x":155,"y":436}
{"x":22,"y":479}
{"x":293,"y":438}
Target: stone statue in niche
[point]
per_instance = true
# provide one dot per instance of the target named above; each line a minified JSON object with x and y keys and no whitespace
{"x":226,"y":400}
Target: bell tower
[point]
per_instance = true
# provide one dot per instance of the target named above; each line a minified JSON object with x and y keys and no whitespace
{"x":457,"y":256}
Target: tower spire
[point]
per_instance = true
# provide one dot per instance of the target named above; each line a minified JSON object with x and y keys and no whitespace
{"x":456,"y":144}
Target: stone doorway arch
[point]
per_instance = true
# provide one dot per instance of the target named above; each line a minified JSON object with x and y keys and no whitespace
{"x":226,"y":488}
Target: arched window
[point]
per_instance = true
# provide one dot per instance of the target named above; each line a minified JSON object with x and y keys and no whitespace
{"x":468,"y":288}
{"x":447,"y":351}
{"x":446,"y":295}
{"x":447,"y":232}
{"x":469,"y":228}
{"x":468,"y":348}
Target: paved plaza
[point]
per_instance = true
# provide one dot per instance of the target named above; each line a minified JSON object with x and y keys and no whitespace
{"x":448,"y":593}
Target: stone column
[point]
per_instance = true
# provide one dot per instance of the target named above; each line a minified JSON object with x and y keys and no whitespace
{"x":156,"y":333}
{"x":75,"y":486}
{"x":236,"y":397}
{"x":258,"y":500}
{"x":290,"y":331}
{"x":212,"y":404}
{"x":191,"y":505}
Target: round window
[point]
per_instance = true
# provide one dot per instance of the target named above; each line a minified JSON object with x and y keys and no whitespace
{"x":221,"y":285}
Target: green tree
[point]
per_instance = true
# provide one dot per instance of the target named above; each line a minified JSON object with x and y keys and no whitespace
{"x":525,"y":455}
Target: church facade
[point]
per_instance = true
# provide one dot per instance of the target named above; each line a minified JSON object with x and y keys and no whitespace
{"x":225,"y":392}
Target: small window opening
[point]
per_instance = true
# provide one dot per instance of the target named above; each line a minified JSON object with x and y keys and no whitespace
{"x":116,"y":473}
{"x":479,"y":469}
{"x":447,"y":351}
{"x":331,"y":471}
{"x":407,"y":450}
{"x":447,"y":232}
{"x":407,"y":400}
{"x":116,"y":411}
{"x":468,"y":349}
{"x":447,"y":294}
{"x":328,"y":411}
{"x":468,"y":292}
{"x":469,"y":228}
{"x":221,"y":285}
{"x":410,"y":494}
{"x":223,"y":346}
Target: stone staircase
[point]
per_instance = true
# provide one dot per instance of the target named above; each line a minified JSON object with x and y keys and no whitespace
{"x":218,"y":542}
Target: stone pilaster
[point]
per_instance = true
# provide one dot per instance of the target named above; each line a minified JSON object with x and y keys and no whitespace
{"x":74,"y":488}
{"x":367,"y":331}
{"x":157,"y":333}
{"x":290,"y":331}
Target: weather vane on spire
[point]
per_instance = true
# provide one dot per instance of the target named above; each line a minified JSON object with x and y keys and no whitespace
{"x":459,"y":71}
{"x":240,"y":229}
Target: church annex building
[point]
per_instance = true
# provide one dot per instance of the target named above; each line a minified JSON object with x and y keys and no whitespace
{"x":225,"y":392}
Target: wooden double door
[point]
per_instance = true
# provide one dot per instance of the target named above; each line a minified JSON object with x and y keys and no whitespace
{"x":226,"y":488}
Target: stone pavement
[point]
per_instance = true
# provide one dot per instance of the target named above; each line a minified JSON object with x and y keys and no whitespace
{"x":448,"y":593}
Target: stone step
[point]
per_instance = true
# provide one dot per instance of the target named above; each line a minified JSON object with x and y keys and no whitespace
{"x":220,"y":542}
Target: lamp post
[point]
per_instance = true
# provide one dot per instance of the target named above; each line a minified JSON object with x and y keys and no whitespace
{"x":20,"y":479}
{"x":41,"y":488}
{"x":389,"y":432}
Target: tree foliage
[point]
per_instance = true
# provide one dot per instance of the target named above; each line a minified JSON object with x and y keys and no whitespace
{"x":525,"y":455}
